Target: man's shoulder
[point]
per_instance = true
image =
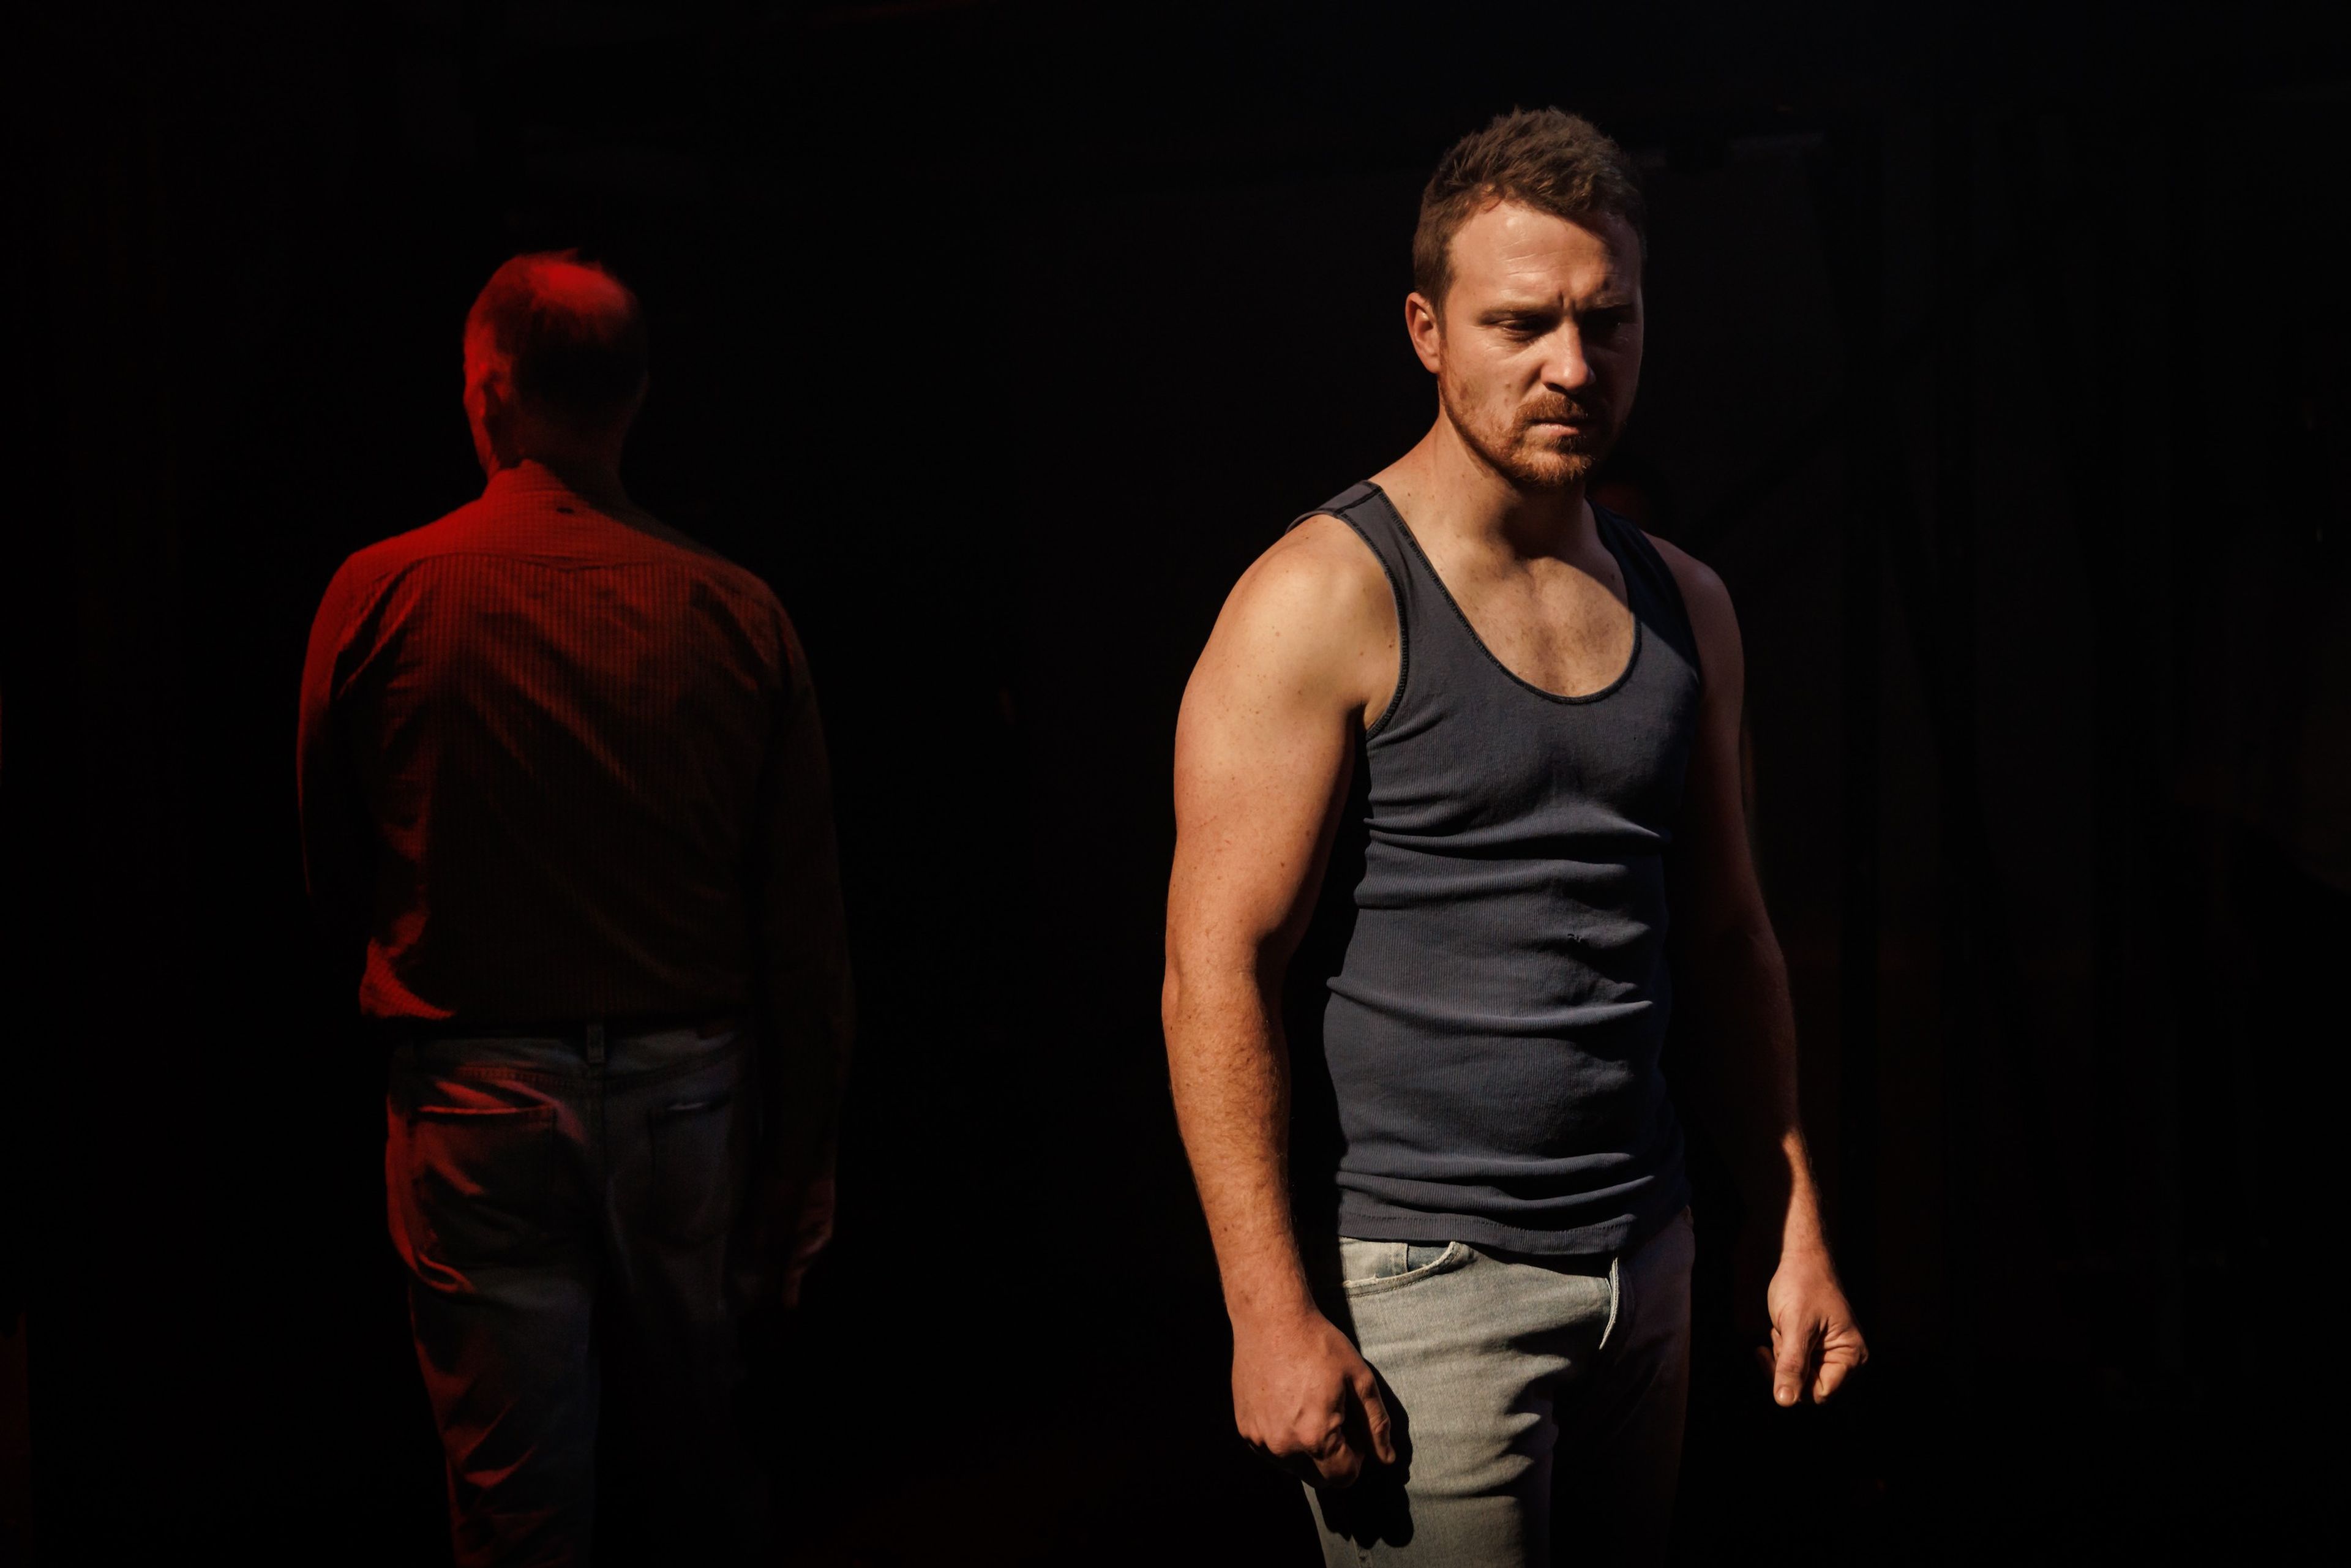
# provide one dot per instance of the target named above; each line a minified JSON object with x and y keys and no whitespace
{"x":1321,"y":567}
{"x":722,"y":569}
{"x":1318,"y":600}
{"x":1311,"y":620}
{"x":642,"y":538}
{"x":371,"y":565}
{"x":1706,"y":604}
{"x":751,"y":601}
{"x":1702,"y":587}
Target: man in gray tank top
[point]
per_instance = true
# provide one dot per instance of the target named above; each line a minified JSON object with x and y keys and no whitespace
{"x":1460,"y":751}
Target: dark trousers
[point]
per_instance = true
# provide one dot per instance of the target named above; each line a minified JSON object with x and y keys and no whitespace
{"x":563,"y":1207}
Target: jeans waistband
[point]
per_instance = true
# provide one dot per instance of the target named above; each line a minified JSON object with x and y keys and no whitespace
{"x":410,"y":1031}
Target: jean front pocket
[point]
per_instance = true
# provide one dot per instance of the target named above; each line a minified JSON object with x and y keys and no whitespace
{"x":484,"y":1181}
{"x":701,"y":1152}
{"x":1388,"y":1265}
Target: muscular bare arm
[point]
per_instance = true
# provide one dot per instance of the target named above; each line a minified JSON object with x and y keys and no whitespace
{"x":1304,"y":655}
{"x":1733,"y":984}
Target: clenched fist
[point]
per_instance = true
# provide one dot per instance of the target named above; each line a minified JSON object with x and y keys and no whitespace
{"x":1304,"y":1398}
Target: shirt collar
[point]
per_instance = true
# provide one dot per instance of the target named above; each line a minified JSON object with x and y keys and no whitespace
{"x":532,"y":479}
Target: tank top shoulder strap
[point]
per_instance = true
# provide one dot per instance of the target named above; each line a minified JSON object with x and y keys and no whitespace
{"x":1366,"y":508}
{"x":1655,"y":598}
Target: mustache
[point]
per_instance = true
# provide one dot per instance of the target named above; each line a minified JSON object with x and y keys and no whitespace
{"x":1581,"y":411}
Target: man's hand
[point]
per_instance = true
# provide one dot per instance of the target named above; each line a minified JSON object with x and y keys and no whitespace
{"x":1305,"y":1399}
{"x":786,"y":1223}
{"x":1815,"y":1343}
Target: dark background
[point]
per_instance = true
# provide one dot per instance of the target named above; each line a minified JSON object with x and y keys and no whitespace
{"x":1996,"y":362}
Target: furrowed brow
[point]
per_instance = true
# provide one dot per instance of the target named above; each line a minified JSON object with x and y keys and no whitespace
{"x":1508,"y":309}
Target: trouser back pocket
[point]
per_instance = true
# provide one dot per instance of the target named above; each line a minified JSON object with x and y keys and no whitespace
{"x":484,"y":1184}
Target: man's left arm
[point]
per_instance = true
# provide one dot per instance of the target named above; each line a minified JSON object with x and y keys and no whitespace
{"x":336,"y":840}
{"x":803,"y":996}
{"x":1733,"y":983}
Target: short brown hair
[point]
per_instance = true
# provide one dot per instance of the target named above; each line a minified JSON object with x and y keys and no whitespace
{"x":1546,"y":158}
{"x":571,"y":336}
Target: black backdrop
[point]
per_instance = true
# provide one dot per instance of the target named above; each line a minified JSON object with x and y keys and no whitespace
{"x":1995,"y":364}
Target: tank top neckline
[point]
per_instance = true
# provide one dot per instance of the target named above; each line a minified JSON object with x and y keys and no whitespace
{"x":1631,"y":660}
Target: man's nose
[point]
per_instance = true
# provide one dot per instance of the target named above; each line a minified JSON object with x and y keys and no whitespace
{"x":1565,"y":366}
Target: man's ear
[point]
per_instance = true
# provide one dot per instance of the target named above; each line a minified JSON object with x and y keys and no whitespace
{"x":495,"y":393}
{"x":489,"y":412}
{"x":1427,"y":334}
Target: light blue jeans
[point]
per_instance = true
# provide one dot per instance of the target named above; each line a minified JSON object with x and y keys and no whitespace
{"x":1538,"y":1403}
{"x":564,"y":1207}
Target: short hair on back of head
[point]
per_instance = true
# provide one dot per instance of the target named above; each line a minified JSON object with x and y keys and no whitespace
{"x":570,"y":336}
{"x":1546,"y":158}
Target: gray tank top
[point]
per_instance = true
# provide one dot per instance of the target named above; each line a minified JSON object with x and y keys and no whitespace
{"x":1478,"y":1011}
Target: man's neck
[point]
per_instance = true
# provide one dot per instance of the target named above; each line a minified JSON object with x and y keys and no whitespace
{"x":590,"y":475}
{"x":1444,"y":485}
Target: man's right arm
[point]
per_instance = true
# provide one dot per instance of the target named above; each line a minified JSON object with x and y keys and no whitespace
{"x":1305,"y":649}
{"x":803,"y":997}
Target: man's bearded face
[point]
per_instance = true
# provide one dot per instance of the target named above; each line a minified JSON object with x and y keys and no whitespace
{"x":1542,"y":342}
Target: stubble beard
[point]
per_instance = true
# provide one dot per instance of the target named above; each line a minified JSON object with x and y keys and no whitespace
{"x":1540,"y":464}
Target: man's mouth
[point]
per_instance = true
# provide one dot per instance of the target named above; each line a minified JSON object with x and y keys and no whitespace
{"x":1571,"y":419}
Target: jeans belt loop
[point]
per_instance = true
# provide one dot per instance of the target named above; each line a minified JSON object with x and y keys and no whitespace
{"x":596,"y":1043}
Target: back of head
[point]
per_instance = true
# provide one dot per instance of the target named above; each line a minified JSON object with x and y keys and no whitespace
{"x":1546,"y":158}
{"x":570,"y":337}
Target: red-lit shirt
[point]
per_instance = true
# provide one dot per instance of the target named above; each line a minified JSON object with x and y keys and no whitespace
{"x":559,"y":762}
